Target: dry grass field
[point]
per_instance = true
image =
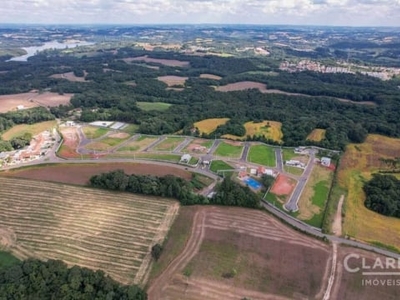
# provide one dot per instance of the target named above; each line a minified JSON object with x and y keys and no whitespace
{"x":165,"y":62}
{"x":88,"y":227}
{"x":264,"y":262}
{"x":210,"y":76}
{"x":357,"y":165}
{"x":168,"y":144}
{"x":209,"y":125}
{"x":173,"y":80}
{"x":316,"y":135}
{"x":70,"y":76}
{"x":242,"y":85}
{"x":269,"y":129}
{"x":138,"y":145}
{"x":33,"y":129}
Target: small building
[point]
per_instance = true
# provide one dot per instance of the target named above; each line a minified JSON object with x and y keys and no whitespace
{"x":260,"y":171}
{"x":19,"y":107}
{"x":70,"y":123}
{"x":253,"y":171}
{"x":186,"y":158}
{"x":325,"y":161}
{"x":242,"y":174}
{"x":269,"y":172}
{"x":206,"y":162}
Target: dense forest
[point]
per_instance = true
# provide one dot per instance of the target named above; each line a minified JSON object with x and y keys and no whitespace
{"x":383,"y":195}
{"x":108,"y":94}
{"x":35,"y":279}
{"x":227,"y":193}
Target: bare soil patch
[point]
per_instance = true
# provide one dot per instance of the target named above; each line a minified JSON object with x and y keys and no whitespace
{"x":283,"y":185}
{"x":119,"y":135}
{"x":70,"y":76}
{"x":337,"y":221}
{"x":242,"y":85}
{"x":70,"y":142}
{"x":351,"y":286}
{"x":165,"y":62}
{"x":271,"y":261}
{"x":210,"y":76}
{"x":173,"y":80}
{"x":81,"y":173}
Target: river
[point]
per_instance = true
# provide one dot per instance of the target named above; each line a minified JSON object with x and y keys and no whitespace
{"x":31,"y":51}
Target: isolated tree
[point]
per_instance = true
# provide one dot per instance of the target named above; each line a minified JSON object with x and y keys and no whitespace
{"x":156,"y":251}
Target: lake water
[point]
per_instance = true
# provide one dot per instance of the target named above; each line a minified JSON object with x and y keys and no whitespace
{"x":31,"y":51}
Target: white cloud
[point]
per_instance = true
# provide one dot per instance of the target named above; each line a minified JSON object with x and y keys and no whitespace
{"x":323,"y":12}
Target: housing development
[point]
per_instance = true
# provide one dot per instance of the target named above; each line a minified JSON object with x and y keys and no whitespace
{"x":199,"y":162}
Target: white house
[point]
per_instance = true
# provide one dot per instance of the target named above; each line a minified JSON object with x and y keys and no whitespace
{"x":185,"y":158}
{"x":325,"y":161}
{"x":19,"y":107}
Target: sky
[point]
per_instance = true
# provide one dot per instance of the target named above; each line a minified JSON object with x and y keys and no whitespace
{"x":294,"y":12}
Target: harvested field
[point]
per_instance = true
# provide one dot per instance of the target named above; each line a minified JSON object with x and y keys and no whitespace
{"x":199,"y":146}
{"x":173,"y":80}
{"x":210,"y":76}
{"x":242,"y":85}
{"x":315,"y":194}
{"x":207,"y":126}
{"x":70,"y":76}
{"x":33,"y":129}
{"x":70,"y":142}
{"x":139,"y":144}
{"x":226,"y":239}
{"x":165,"y":62}
{"x":316,"y":135}
{"x":80,"y":173}
{"x":87,"y":227}
{"x":269,"y":129}
{"x":357,"y":165}
{"x":350,"y":285}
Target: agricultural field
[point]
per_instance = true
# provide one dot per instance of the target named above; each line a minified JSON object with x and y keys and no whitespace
{"x":229,"y":149}
{"x":219,"y":165}
{"x":269,"y":129}
{"x":171,"y":80}
{"x":229,"y":256}
{"x":139,"y":144}
{"x":70,"y":76}
{"x":70,"y":143}
{"x":93,"y":132}
{"x":165,"y":62}
{"x":357,"y":164}
{"x":208,"y":126}
{"x":32,"y":99}
{"x":199,"y":146}
{"x":210,"y":76}
{"x":316,"y":135}
{"x":147,"y":106}
{"x":262,"y":154}
{"x":108,"y":142}
{"x":33,"y":129}
{"x":168,"y":144}
{"x":350,"y":285}
{"x":314,"y":196}
{"x":241,"y":86}
{"x":79,"y":174}
{"x":82,"y":226}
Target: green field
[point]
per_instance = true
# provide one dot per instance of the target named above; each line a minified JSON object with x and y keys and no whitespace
{"x":137,"y":145}
{"x":131,"y":129}
{"x":160,"y":106}
{"x":293,"y":170}
{"x":168,"y":157}
{"x":263,"y":155}
{"x":288,"y":154}
{"x":33,"y":129}
{"x":92,"y":132}
{"x":217,"y":165}
{"x":7,"y":259}
{"x":228,"y":150}
{"x":169,"y":144}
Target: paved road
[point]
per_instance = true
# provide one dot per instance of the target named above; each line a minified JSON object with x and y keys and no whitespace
{"x":182,"y":145}
{"x":245,"y":151}
{"x":292,"y":204}
{"x":279,"y":161}
{"x":159,"y":140}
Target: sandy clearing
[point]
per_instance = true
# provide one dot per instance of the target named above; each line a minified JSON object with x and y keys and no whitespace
{"x":210,"y":76}
{"x":173,"y":80}
{"x":337,"y":222}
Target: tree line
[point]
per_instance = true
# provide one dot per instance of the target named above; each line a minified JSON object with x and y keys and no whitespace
{"x":35,"y":279}
{"x":383,"y":195}
{"x":227,"y":193}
